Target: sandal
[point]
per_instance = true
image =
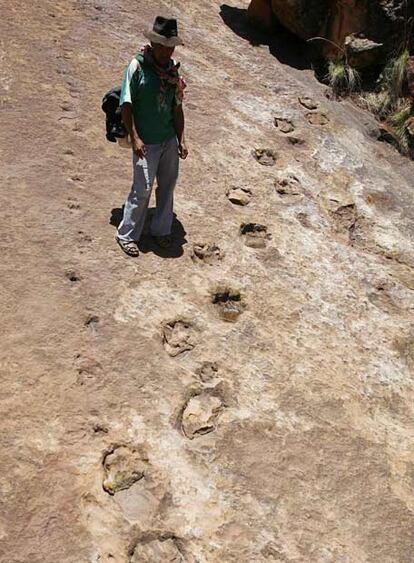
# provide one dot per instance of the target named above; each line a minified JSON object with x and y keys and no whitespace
{"x":129,"y":248}
{"x":164,"y":241}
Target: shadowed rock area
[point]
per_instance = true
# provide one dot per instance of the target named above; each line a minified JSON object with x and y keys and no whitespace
{"x":138,"y":423}
{"x":371,"y":29}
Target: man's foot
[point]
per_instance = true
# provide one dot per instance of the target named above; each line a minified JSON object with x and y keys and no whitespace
{"x":164,"y":241}
{"x":129,"y":248}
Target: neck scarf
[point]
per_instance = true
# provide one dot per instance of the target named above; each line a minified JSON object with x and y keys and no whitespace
{"x":169,"y":75}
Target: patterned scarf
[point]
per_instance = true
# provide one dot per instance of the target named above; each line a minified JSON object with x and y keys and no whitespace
{"x":169,"y":76}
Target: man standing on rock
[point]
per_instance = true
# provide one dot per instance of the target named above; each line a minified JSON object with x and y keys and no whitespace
{"x":152,"y":112}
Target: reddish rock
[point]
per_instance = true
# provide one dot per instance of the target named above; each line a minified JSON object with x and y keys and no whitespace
{"x":410,"y":126}
{"x":410,"y":77}
{"x":362,"y":52}
{"x":305,"y":18}
{"x":260,"y":14}
{"x":380,"y":23}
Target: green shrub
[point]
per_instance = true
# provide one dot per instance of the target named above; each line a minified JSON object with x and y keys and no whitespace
{"x":389,"y":103}
{"x":394,"y":74}
{"x":398,"y":119}
{"x":378,"y":103}
{"x":342,"y":77}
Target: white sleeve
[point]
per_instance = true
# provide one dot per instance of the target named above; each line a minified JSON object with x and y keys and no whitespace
{"x":126,"y":96}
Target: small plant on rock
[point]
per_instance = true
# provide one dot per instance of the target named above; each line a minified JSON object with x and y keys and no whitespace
{"x":390,"y":102}
{"x":378,"y":103}
{"x":394,"y":75}
{"x":342,"y":77}
{"x":398,"y":122}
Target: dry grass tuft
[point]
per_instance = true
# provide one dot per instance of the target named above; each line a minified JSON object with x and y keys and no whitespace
{"x":342,"y":77}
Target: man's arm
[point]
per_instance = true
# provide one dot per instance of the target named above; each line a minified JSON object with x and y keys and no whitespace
{"x":179,"y":123}
{"x":125,"y":102}
{"x":128,"y":120}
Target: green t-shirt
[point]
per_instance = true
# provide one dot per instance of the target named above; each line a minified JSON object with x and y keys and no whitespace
{"x":141,"y":88}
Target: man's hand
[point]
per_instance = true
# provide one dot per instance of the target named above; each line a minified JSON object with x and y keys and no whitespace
{"x":182,"y":150}
{"x":138,"y":147}
{"x":127,"y":119}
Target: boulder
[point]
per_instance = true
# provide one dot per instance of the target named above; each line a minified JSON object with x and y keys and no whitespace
{"x":362,"y":52}
{"x":305,"y":18}
{"x":410,"y":77}
{"x":374,"y":27}
{"x":409,"y":124}
{"x":260,"y":14}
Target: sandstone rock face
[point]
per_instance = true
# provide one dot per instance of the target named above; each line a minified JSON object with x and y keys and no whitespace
{"x":247,"y":397}
{"x":380,"y":24}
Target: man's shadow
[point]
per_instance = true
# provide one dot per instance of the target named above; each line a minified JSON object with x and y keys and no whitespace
{"x":147,"y":243}
{"x":283,"y":45}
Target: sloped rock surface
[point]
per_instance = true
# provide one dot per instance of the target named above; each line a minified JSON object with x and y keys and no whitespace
{"x":311,"y":459}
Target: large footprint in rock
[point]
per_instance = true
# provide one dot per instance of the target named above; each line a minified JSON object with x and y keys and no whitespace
{"x":317,"y":118}
{"x":123,"y":466}
{"x":289,"y":186}
{"x":178,"y":337}
{"x":255,"y":235}
{"x":284,"y":125}
{"x":207,"y":371}
{"x":130,"y":480}
{"x":158,"y":551}
{"x":200,"y":415}
{"x":265,"y":157}
{"x":307,"y":102}
{"x":207,"y":253}
{"x":345,"y":217}
{"x":229,"y":303}
{"x":239,"y":196}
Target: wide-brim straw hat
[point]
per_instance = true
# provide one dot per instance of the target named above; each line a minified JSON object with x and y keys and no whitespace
{"x":164,"y":32}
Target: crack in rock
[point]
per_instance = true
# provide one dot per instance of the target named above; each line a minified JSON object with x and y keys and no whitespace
{"x":73,"y":276}
{"x":92,"y":322}
{"x":295,"y":141}
{"x":208,"y":371}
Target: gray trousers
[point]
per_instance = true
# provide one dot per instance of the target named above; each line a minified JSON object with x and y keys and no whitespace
{"x":160,"y":162}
